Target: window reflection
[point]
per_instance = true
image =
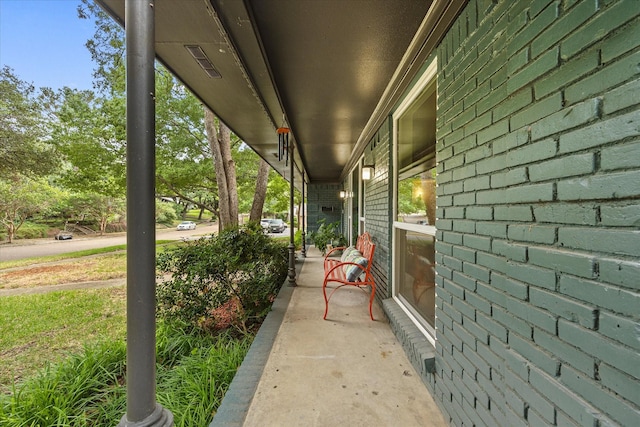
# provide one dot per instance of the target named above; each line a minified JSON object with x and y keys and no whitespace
{"x":416,"y":272}
{"x":417,"y":198}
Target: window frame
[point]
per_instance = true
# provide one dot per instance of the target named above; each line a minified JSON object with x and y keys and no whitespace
{"x":428,"y":77}
{"x":356,"y":173}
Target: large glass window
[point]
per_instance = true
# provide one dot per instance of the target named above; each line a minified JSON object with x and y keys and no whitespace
{"x":415,"y":197}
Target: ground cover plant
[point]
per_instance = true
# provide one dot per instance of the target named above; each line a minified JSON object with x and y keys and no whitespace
{"x":194,"y":371}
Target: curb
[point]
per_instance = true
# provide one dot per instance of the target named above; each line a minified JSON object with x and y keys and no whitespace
{"x":235,"y":404}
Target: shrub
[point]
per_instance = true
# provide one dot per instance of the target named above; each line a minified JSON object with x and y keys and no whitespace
{"x":165,"y":213}
{"x":228,"y":279}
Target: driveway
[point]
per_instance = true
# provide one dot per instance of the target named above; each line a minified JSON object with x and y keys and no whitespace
{"x":44,"y":247}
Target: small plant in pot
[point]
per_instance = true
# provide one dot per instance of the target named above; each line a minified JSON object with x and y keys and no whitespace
{"x":328,"y":235}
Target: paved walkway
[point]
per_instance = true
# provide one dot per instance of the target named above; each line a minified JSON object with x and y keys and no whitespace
{"x":347,"y":370}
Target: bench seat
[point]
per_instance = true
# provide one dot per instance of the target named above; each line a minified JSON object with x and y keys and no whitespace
{"x":352,"y":269}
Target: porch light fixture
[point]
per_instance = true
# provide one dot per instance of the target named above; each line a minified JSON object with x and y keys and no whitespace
{"x":343,"y":194}
{"x":368,"y":172}
{"x":201,"y":58}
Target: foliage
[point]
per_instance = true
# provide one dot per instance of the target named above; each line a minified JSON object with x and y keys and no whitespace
{"x":165,"y":213}
{"x":22,"y":147}
{"x":29,"y":230}
{"x":21,"y":198}
{"x":194,"y":371}
{"x":229,"y":278}
{"x":100,"y":208}
{"x":327,"y":234}
{"x":278,"y":194}
{"x":90,"y":135}
{"x":297,"y":239}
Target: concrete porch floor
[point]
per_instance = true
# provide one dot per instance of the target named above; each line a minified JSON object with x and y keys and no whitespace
{"x":306,"y":371}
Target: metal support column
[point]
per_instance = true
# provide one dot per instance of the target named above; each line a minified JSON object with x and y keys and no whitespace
{"x":304,"y":241}
{"x":142,"y":408}
{"x":292,"y":245}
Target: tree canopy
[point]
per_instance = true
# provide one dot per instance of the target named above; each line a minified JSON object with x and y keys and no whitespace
{"x":23,"y":147}
{"x":69,"y":146}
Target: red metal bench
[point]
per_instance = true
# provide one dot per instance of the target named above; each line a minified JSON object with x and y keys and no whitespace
{"x":352,"y":269}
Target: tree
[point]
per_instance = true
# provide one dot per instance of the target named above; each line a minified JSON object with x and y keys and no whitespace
{"x":261,"y":191}
{"x":90,"y":134}
{"x":191,"y":145}
{"x":184,"y":163}
{"x":20,"y":198}
{"x":22,"y":146}
{"x":278,"y":194}
{"x":103,"y":209}
{"x":219,"y":137}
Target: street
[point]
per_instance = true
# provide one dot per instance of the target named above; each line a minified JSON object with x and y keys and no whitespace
{"x":44,"y":247}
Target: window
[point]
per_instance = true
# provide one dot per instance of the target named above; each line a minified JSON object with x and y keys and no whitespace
{"x":415,"y":202}
{"x":353,"y":205}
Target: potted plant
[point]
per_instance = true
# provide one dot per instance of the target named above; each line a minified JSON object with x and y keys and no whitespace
{"x":328,"y":235}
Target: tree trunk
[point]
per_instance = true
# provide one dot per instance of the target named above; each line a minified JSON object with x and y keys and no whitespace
{"x":224,"y":139}
{"x":261,"y":191}
{"x":11,"y":232}
{"x":429,"y":196}
{"x":220,"y":143}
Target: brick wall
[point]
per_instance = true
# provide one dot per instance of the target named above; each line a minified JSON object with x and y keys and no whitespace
{"x":538,"y":246}
{"x":377,"y":207}
{"x":323,"y":202}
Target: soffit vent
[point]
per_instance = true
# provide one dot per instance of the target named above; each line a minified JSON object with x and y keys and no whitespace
{"x":204,"y":62}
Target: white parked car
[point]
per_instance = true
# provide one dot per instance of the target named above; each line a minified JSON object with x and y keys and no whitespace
{"x":187,"y":225}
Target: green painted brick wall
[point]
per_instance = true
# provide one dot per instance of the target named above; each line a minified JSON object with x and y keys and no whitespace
{"x":538,"y":251}
{"x":377,"y":207}
{"x":323,"y":203}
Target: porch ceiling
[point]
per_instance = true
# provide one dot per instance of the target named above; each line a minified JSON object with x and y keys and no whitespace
{"x":322,"y":65}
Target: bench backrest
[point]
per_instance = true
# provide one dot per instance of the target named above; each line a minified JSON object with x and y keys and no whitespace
{"x":367,"y":248}
{"x":363,"y":239}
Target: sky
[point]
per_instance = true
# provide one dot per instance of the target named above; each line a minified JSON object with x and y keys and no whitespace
{"x":43,"y":42}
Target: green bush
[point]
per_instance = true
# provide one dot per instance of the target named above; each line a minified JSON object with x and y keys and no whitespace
{"x":165,"y":213}
{"x":297,"y":239}
{"x":228,"y":279}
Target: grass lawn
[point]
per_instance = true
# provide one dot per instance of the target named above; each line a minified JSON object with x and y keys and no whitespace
{"x":43,"y":328}
{"x":103,"y":267}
